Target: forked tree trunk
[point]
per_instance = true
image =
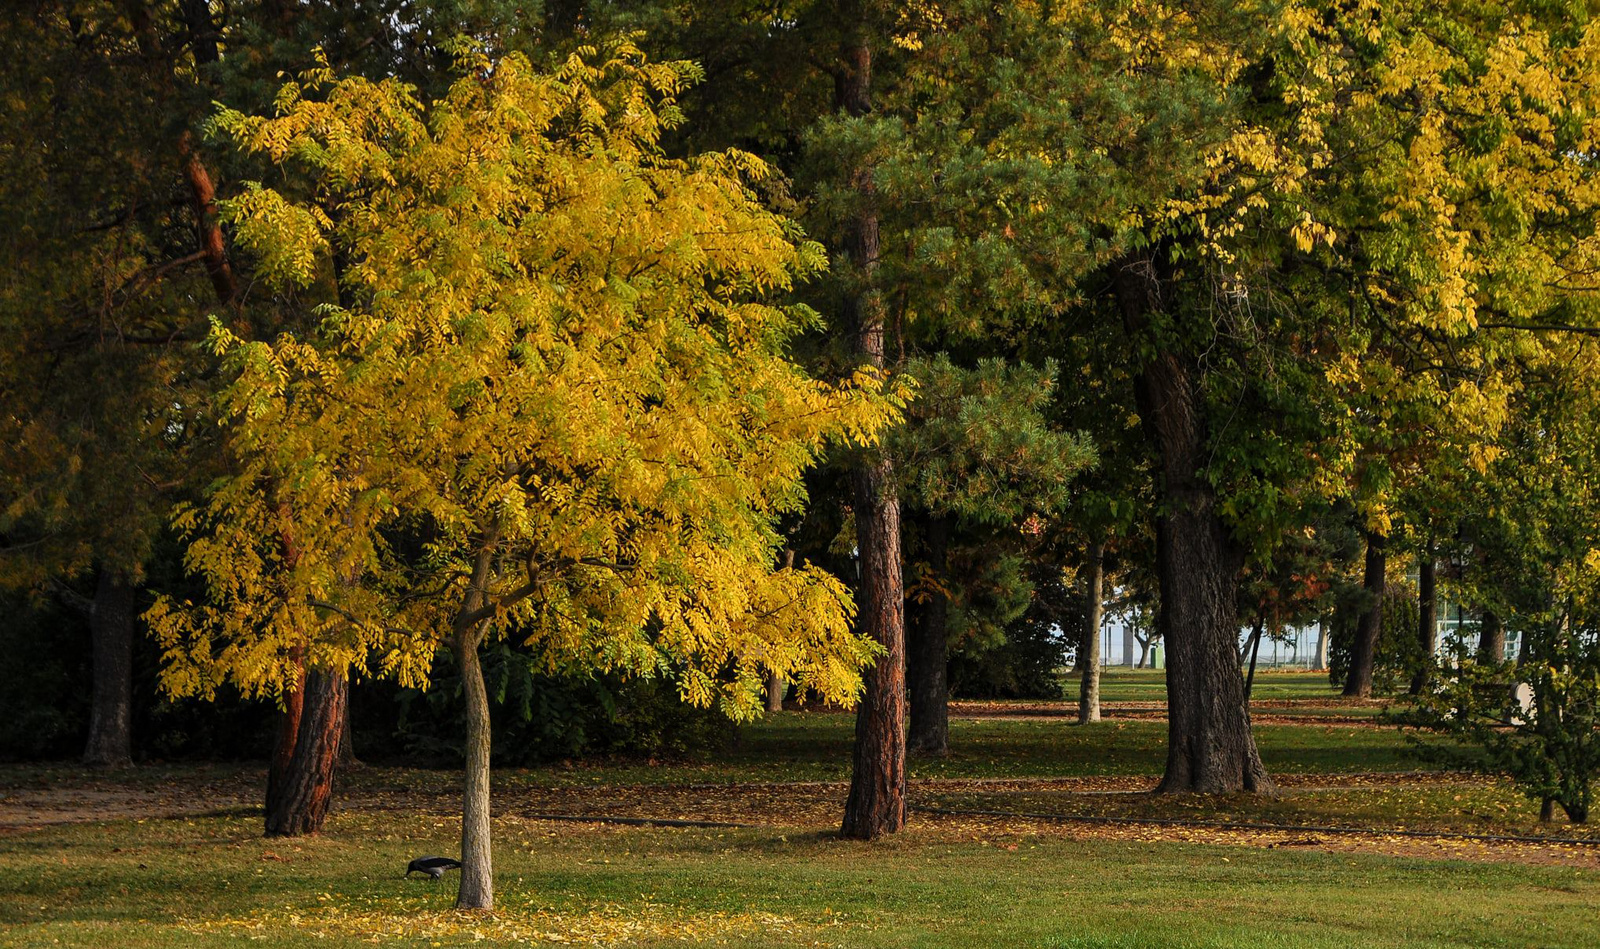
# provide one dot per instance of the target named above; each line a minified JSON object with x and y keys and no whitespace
{"x":1210,"y":747}
{"x":1364,"y":651}
{"x":477,"y":864}
{"x":305,"y":789}
{"x":111,"y":627}
{"x":1089,"y":651}
{"x":1427,"y":619}
{"x":876,"y":804}
{"x":927,"y":646}
{"x":1491,"y":638}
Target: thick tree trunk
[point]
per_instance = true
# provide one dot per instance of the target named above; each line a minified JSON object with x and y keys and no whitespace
{"x":304,"y":791}
{"x":1491,"y":638}
{"x":477,"y":865}
{"x":1089,"y":651}
{"x":111,"y":627}
{"x":877,"y":801}
{"x":1364,"y":651}
{"x":1210,"y":747}
{"x":288,"y":736}
{"x":926,"y":654}
{"x":1427,"y":619}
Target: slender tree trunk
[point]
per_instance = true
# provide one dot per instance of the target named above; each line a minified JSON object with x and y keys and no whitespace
{"x":1210,"y":746}
{"x":477,"y":864}
{"x":926,"y":655}
{"x":1428,"y":619}
{"x":876,"y":804}
{"x":776,"y":686}
{"x":1255,"y":650}
{"x":1128,"y":639}
{"x":1093,"y":606}
{"x":305,"y":789}
{"x":1491,"y":638}
{"x":1322,"y":643}
{"x":111,"y":627}
{"x":1364,"y":651}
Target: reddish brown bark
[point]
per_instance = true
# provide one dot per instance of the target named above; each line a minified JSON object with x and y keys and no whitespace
{"x":876,"y":804}
{"x":305,"y":788}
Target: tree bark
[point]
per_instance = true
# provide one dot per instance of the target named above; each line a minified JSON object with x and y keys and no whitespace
{"x":1427,"y":619}
{"x":927,"y":648}
{"x":111,"y":627}
{"x":1364,"y":651}
{"x":1491,"y":638}
{"x":477,"y":862}
{"x":347,"y":742}
{"x":1093,"y":607}
{"x":1210,"y":746}
{"x":876,"y":804}
{"x":1322,"y":643}
{"x":304,"y":791}
{"x":288,"y":736}
{"x":1255,"y":650}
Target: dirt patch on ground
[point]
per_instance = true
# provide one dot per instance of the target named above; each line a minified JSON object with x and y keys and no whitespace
{"x":1344,"y":713}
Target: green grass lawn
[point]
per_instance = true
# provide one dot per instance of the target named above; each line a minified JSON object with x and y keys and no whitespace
{"x":214,"y":882}
{"x":211,"y":880}
{"x":1121,"y":684}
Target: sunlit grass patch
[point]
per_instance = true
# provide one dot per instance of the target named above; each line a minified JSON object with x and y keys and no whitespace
{"x":423,"y":922}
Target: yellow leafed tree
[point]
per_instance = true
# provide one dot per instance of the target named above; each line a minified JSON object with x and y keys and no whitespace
{"x":546,"y":399}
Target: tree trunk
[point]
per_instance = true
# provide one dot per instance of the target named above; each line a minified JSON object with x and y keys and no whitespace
{"x":347,"y":743}
{"x":304,"y":790}
{"x":1210,"y":747}
{"x":876,"y":804}
{"x":776,"y":687}
{"x":926,"y":654}
{"x":288,"y":736}
{"x":1427,"y":621}
{"x":1491,"y":638}
{"x":1255,"y":650}
{"x":1364,"y":651}
{"x":1093,"y":606}
{"x":1322,"y":643}
{"x":111,"y":628}
{"x":477,"y":866}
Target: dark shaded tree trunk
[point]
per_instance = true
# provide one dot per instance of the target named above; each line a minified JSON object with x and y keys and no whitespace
{"x":1210,"y":746}
{"x":876,"y":804}
{"x":304,"y":790}
{"x":1491,"y":638}
{"x":111,"y":628}
{"x":1089,"y":650}
{"x":927,"y":645}
{"x":1427,"y":619}
{"x":1364,"y":651}
{"x":1255,"y":650}
{"x":288,"y":736}
{"x":347,"y":742}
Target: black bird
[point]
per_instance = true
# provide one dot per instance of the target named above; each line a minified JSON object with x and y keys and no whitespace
{"x":432,"y":866}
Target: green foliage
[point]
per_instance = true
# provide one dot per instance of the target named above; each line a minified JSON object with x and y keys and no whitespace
{"x":1399,"y":649}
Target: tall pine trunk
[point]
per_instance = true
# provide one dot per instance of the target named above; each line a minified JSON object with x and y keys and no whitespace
{"x":477,"y":864}
{"x":1427,"y":619}
{"x":298,"y":801}
{"x":1364,"y":651}
{"x":1089,"y":651}
{"x":1210,"y":746}
{"x":111,"y":628}
{"x":876,"y":804}
{"x":926,"y":653}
